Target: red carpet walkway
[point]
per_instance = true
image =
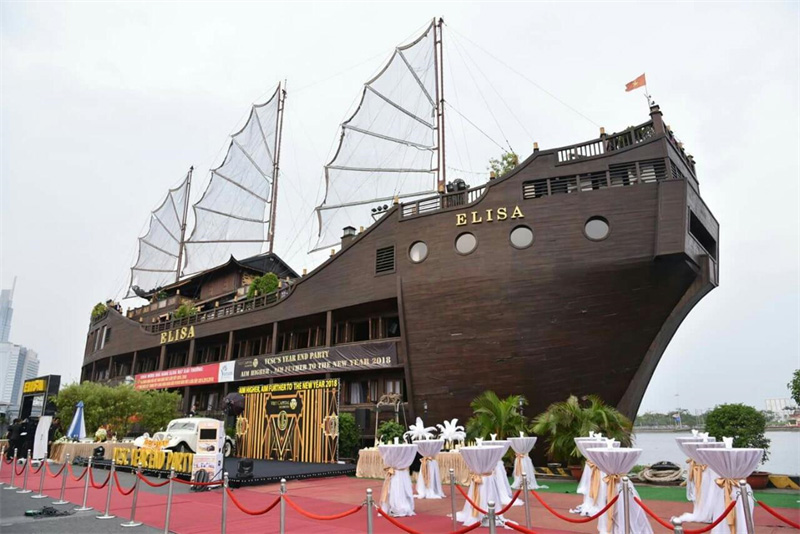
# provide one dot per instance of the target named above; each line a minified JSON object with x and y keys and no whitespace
{"x":196,"y":513}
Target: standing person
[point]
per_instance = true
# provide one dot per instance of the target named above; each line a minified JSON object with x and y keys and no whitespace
{"x":14,"y":432}
{"x":193,"y":410}
{"x":53,"y":433}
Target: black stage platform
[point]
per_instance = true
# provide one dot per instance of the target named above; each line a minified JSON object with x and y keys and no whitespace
{"x":264,"y":471}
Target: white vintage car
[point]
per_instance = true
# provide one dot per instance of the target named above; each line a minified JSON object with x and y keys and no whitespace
{"x":182,"y":435}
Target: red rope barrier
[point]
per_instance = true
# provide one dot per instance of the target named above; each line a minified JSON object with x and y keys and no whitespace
{"x":36,"y":471}
{"x":664,"y":524}
{"x":50,"y":473}
{"x":570,"y":519}
{"x":322,"y":517}
{"x":464,"y":530}
{"x":470,"y":501}
{"x":101,"y":486}
{"x":7,"y":460}
{"x":119,"y":486}
{"x":779,"y":516}
{"x":191,"y":483}
{"x":72,"y":473}
{"x":520,"y":528}
{"x":510,"y":504}
{"x":398,"y":524}
{"x":152,"y":484}
{"x":247,"y":510}
{"x":24,"y":465}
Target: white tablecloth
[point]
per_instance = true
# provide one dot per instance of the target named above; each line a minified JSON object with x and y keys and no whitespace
{"x":397,"y":495}
{"x":592,"y":475}
{"x":617,"y":462}
{"x":501,"y":475}
{"x":522,"y":462}
{"x":703,"y":482}
{"x":429,"y":486}
{"x":482,"y":462}
{"x":691,"y":439}
{"x":732,"y":465}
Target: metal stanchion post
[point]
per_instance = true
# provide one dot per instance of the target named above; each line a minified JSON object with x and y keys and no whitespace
{"x":25,"y":479}
{"x":83,"y":507}
{"x":107,"y":513}
{"x":224,"y":501}
{"x":453,"y":495}
{"x":13,"y":472}
{"x":42,"y":469}
{"x":626,"y":499}
{"x":369,"y":510}
{"x":2,"y":461}
{"x":677,"y":526}
{"x":492,"y":518}
{"x":527,"y":502}
{"x":748,"y":514}
{"x":283,"y":507}
{"x":64,"y":476}
{"x":169,"y":500}
{"x":133,"y":522}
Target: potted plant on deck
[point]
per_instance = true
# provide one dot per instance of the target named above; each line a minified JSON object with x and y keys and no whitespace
{"x":495,"y":416}
{"x":562,"y":422}
{"x":747,"y":426}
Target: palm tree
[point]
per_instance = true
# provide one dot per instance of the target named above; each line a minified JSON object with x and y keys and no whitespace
{"x":493,"y":415}
{"x":562,"y":422}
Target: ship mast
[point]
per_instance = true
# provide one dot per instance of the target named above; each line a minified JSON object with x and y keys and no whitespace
{"x":276,"y":165}
{"x":438,"y":59}
{"x":182,"y":243}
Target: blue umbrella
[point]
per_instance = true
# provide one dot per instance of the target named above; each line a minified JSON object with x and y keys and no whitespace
{"x":77,"y":429}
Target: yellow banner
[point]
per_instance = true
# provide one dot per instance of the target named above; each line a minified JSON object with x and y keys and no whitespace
{"x":155,"y":459}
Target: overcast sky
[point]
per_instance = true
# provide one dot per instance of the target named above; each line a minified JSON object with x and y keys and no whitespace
{"x":104,"y":106}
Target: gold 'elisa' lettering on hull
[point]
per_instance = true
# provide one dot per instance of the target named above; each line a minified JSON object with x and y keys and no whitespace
{"x":488,"y":215}
{"x":179,"y":334}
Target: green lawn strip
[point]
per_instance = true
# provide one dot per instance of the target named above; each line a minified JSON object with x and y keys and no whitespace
{"x":678,"y":494}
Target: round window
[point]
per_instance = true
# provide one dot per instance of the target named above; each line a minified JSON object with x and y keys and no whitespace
{"x":466,"y":243}
{"x":596,"y":228}
{"x":521,"y":237}
{"x":418,"y":252}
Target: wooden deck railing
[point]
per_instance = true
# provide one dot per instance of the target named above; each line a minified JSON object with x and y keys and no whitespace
{"x":604,"y":145}
{"x":448,"y":200}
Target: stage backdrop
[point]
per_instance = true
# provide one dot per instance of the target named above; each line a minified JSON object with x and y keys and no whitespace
{"x":294,"y":421}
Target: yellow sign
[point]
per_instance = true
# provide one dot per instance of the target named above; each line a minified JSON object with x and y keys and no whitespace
{"x":155,"y":459}
{"x":35,"y":386}
{"x":179,"y":334}
{"x":488,"y":215}
{"x":289,"y":386}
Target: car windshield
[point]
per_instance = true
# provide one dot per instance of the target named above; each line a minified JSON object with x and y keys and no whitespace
{"x":181,"y":425}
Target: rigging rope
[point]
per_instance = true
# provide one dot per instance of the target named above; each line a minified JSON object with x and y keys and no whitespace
{"x":448,"y":104}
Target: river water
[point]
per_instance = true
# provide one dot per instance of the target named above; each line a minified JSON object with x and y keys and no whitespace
{"x":784,"y":450}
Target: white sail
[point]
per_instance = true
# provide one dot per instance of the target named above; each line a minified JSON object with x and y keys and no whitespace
{"x":159,"y":249}
{"x":388,"y":146}
{"x":233,"y":216}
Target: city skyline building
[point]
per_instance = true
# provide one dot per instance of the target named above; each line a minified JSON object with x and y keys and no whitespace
{"x":17,"y":362}
{"x":6,"y":311}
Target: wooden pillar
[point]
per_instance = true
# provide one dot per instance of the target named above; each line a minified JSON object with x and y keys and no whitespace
{"x":133,"y":363}
{"x":191,"y":356}
{"x":229,"y":349}
{"x":94,"y":367}
{"x":328,"y":328}
{"x":275,"y":337}
{"x":186,"y":400}
{"x":162,"y":359}
{"x":110,"y":367}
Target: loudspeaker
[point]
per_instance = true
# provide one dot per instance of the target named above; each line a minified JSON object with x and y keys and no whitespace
{"x":245,"y":468}
{"x":362,"y":418}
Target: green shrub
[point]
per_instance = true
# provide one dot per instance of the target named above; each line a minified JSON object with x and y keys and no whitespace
{"x":743,"y":423}
{"x":263,"y":285}
{"x":388,"y":430}
{"x":349,"y":436}
{"x":184,"y":310}
{"x":493,"y":415}
{"x":98,"y":311}
{"x":161,"y":295}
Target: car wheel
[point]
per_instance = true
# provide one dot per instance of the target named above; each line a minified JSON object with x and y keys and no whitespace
{"x":183,"y":448}
{"x":227,"y":449}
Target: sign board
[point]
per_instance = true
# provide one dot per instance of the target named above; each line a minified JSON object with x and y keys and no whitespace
{"x":295,"y":421}
{"x":154,"y":459}
{"x":41,"y":437}
{"x":36,"y":395}
{"x":310,"y":361}
{"x":208,"y":457}
{"x":197,"y":375}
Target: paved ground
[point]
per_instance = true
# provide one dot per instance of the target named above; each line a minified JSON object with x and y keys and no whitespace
{"x":200,"y":513}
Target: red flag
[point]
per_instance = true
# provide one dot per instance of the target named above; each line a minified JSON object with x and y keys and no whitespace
{"x":635,"y":84}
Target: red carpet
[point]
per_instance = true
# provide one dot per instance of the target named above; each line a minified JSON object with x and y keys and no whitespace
{"x":195,"y":513}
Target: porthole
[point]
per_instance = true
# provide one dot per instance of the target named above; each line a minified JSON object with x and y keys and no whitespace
{"x":418,"y":252}
{"x":521,"y":237}
{"x":466,"y":243}
{"x":596,"y":228}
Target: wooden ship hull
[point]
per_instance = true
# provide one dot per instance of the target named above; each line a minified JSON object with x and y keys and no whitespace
{"x":565,"y":315}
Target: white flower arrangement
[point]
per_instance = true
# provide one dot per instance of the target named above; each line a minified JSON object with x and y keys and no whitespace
{"x":419,"y":431}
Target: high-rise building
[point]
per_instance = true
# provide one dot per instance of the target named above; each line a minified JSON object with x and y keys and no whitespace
{"x":17,"y":364}
{"x":6,"y":312}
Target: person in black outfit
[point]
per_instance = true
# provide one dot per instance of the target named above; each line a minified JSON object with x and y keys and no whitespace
{"x":55,"y":428}
{"x":14,"y":435}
